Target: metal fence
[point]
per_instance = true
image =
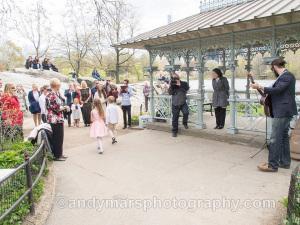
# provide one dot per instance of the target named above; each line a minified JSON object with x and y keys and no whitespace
{"x":18,"y":186}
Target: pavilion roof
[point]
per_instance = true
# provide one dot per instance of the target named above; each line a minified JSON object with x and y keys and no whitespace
{"x":246,"y":16}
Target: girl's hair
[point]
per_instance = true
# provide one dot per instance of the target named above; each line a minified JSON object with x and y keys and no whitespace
{"x":8,"y":88}
{"x":218,"y":72}
{"x":97,"y":105}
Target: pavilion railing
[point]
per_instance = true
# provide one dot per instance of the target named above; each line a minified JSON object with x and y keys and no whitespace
{"x":249,"y":112}
{"x":18,"y":186}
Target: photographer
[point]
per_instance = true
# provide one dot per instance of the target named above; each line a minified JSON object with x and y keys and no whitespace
{"x":178,"y":89}
{"x":126,"y":94}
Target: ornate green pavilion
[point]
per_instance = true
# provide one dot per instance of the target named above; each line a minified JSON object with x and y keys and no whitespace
{"x":227,"y":29}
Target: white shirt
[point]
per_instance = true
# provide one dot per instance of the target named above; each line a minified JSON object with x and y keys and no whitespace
{"x":112,"y":115}
{"x":36,"y":95}
{"x":42,"y":103}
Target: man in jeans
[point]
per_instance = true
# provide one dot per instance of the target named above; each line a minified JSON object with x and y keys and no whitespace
{"x":126,"y":94}
{"x":178,"y":89}
{"x":284,"y":107}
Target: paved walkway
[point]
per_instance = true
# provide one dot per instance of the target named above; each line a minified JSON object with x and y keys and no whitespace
{"x":152,"y":165}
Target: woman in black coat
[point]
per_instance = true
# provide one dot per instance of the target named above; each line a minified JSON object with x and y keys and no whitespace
{"x":220,"y":97}
{"x":34,"y":106}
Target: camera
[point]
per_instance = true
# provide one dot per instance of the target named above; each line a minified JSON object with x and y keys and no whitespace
{"x":174,"y":81}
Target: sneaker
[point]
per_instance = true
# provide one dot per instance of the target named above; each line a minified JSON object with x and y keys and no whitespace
{"x":174,"y":134}
{"x":114,"y":141}
{"x":265,"y":167}
{"x":186,"y":126}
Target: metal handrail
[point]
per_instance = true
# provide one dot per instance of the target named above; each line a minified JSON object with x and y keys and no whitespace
{"x":27,"y":167}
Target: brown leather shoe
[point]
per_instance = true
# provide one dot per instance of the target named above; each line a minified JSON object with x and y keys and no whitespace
{"x":265,"y":167}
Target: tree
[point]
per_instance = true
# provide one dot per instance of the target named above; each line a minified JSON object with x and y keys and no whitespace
{"x":10,"y":56}
{"x":118,"y":23}
{"x":75,"y":45}
{"x":34,"y":25}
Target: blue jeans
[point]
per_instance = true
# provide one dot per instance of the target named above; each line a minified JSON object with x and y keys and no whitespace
{"x":279,"y":148}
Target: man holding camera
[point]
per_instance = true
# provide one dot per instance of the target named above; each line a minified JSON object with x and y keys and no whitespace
{"x":126,"y":94}
{"x":178,"y":89}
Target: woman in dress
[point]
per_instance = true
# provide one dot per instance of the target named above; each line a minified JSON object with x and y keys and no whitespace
{"x":220,"y":97}
{"x":10,"y":111}
{"x":85,"y":99}
{"x":98,"y":129}
{"x":21,"y":94}
{"x":101,"y":94}
{"x":55,"y":107}
{"x":34,"y":107}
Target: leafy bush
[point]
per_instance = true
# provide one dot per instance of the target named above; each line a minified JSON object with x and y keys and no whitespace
{"x":15,"y":156}
{"x":294,"y":218}
{"x":135,"y":120}
{"x":11,"y":159}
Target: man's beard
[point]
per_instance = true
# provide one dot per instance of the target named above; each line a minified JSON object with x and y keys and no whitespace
{"x":276,"y":74}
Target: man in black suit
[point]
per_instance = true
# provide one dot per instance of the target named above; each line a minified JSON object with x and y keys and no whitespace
{"x":284,"y":107}
{"x":178,"y":89}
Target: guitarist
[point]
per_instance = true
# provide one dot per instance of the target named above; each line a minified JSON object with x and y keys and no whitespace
{"x":284,"y":107}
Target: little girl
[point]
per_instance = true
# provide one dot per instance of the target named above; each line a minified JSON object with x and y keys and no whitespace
{"x":76,"y":111}
{"x":98,"y":128}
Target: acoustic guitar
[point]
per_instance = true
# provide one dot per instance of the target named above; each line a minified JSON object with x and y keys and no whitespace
{"x":265,"y":99}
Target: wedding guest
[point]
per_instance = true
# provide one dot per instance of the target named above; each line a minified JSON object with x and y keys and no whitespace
{"x":98,"y":128}
{"x":55,"y":107}
{"x":34,"y":107}
{"x":85,"y":99}
{"x":101,"y":94}
{"x":146,"y":92}
{"x":220,"y":97}
{"x":21,"y":94}
{"x":112,"y":118}
{"x":126,"y":94}
{"x":69,"y":96}
{"x":42,"y":103}
{"x":36,"y":63}
{"x":28,"y":63}
{"x":76,"y":112}
{"x":95,"y":87}
{"x":11,"y":114}
{"x":114,"y":92}
{"x":46,"y":64}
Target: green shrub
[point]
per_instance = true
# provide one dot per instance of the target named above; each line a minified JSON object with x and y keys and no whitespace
{"x":135,"y":120}
{"x":11,"y":159}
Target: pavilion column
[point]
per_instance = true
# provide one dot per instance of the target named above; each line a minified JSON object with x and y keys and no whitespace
{"x":233,"y":111}
{"x":248,"y":68}
{"x":152,"y":107}
{"x":188,"y":61}
{"x":201,"y":90}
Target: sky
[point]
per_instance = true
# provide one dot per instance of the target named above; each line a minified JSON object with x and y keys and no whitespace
{"x":150,"y":13}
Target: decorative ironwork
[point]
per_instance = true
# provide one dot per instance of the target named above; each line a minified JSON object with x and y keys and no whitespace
{"x":208,"y":5}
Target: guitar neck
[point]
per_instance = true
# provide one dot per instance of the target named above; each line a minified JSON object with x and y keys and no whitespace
{"x":253,"y":82}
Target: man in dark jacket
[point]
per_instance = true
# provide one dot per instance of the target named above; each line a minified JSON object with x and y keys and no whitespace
{"x":178,"y":89}
{"x":284,"y":107}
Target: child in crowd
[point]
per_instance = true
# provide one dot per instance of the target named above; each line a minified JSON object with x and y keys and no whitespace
{"x":42,"y":103}
{"x":112,"y":118}
{"x":76,"y":111}
{"x":98,"y":128}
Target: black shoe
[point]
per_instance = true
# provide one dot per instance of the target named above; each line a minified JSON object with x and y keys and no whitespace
{"x":220,"y":127}
{"x":285,"y":166}
{"x":114,"y":141}
{"x":124,"y":127}
{"x":217,"y":127}
{"x":186,"y":126}
{"x":59,"y":159}
{"x":174,"y":134}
